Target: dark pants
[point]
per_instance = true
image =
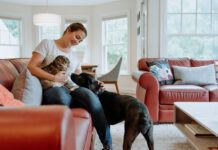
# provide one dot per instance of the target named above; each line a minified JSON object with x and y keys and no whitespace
{"x":82,"y":97}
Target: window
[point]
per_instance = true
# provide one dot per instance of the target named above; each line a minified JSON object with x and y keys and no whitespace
{"x":192,"y":28}
{"x":10,"y":38}
{"x":81,"y":49}
{"x":115,"y":43}
{"x":49,"y":32}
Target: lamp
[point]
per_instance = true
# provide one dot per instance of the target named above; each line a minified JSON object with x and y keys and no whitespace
{"x":46,"y":19}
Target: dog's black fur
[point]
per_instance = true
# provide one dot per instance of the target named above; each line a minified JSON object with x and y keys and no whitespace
{"x":121,"y":107}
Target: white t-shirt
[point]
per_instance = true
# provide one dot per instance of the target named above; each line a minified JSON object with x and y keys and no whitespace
{"x":49,"y":50}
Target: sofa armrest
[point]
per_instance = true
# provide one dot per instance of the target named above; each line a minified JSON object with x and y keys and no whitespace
{"x":136,"y":75}
{"x":148,"y":82}
{"x":36,"y":128}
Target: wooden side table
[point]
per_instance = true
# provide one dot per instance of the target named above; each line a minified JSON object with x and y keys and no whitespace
{"x":89,"y":68}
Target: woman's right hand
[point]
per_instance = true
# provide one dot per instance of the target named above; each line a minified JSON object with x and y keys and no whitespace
{"x":60,"y":77}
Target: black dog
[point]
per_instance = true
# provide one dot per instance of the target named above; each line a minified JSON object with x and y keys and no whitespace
{"x":121,"y":107}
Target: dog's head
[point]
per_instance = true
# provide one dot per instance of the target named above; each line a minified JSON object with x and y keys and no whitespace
{"x":88,"y":81}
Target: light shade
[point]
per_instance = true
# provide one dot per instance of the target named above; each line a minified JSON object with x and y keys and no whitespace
{"x":46,"y":19}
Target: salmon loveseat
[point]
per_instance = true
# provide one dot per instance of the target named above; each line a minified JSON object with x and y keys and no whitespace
{"x":41,"y":127}
{"x":160,"y":98}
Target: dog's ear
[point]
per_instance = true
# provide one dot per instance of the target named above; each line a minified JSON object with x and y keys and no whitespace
{"x":76,"y":79}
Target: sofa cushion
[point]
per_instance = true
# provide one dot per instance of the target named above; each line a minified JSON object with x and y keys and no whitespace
{"x":182,"y":93}
{"x":28,"y":89}
{"x":201,"y":75}
{"x":213,"y":92}
{"x":161,"y":70}
{"x":7,"y":98}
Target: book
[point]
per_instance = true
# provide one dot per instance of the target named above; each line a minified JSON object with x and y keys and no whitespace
{"x":198,"y":130}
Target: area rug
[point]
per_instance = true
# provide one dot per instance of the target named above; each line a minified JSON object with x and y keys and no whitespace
{"x":166,"y":137}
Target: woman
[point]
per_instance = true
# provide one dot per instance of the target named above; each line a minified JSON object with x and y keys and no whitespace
{"x":44,"y":54}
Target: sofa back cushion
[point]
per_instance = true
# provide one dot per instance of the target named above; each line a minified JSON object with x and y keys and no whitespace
{"x":20,"y":63}
{"x":10,"y":69}
{"x":142,"y":63}
{"x":197,"y":63}
{"x":8,"y":73}
{"x":185,"y":62}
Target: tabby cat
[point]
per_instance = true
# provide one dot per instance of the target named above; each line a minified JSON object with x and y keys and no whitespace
{"x":60,"y":63}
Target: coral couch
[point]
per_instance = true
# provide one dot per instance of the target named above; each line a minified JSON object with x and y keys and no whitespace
{"x":41,"y":127}
{"x":160,"y":99}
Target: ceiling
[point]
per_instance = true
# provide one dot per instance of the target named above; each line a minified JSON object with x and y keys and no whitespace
{"x":57,"y":2}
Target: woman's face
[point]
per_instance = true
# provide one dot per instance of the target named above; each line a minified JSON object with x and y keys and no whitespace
{"x":74,"y":38}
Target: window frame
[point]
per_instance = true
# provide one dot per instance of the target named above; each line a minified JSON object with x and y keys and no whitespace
{"x":20,"y":35}
{"x":103,"y":53}
{"x":164,"y":35}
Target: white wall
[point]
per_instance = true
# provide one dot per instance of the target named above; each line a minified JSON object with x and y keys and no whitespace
{"x":153,"y":28}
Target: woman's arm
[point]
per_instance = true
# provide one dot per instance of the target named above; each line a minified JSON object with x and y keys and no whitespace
{"x":34,"y":68}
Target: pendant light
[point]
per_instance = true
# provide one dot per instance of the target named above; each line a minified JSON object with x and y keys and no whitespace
{"x":46,"y":19}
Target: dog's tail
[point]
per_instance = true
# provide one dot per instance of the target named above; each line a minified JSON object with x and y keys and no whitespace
{"x":146,"y":126}
{"x":144,"y":119}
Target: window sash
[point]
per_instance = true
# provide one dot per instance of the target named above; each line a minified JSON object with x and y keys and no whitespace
{"x":11,"y":44}
{"x":196,"y":13}
{"x":210,"y":34}
{"x":106,"y":44}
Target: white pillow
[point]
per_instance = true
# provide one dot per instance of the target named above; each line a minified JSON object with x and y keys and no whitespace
{"x":28,"y":89}
{"x":202,"y":75}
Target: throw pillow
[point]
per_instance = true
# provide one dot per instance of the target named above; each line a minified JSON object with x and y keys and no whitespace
{"x":5,"y":93}
{"x":202,"y":75}
{"x":7,"y":98}
{"x":161,"y":70}
{"x":28,"y":89}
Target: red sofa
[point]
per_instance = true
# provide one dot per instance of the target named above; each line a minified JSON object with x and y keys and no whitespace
{"x":160,"y":99}
{"x":41,"y":127}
